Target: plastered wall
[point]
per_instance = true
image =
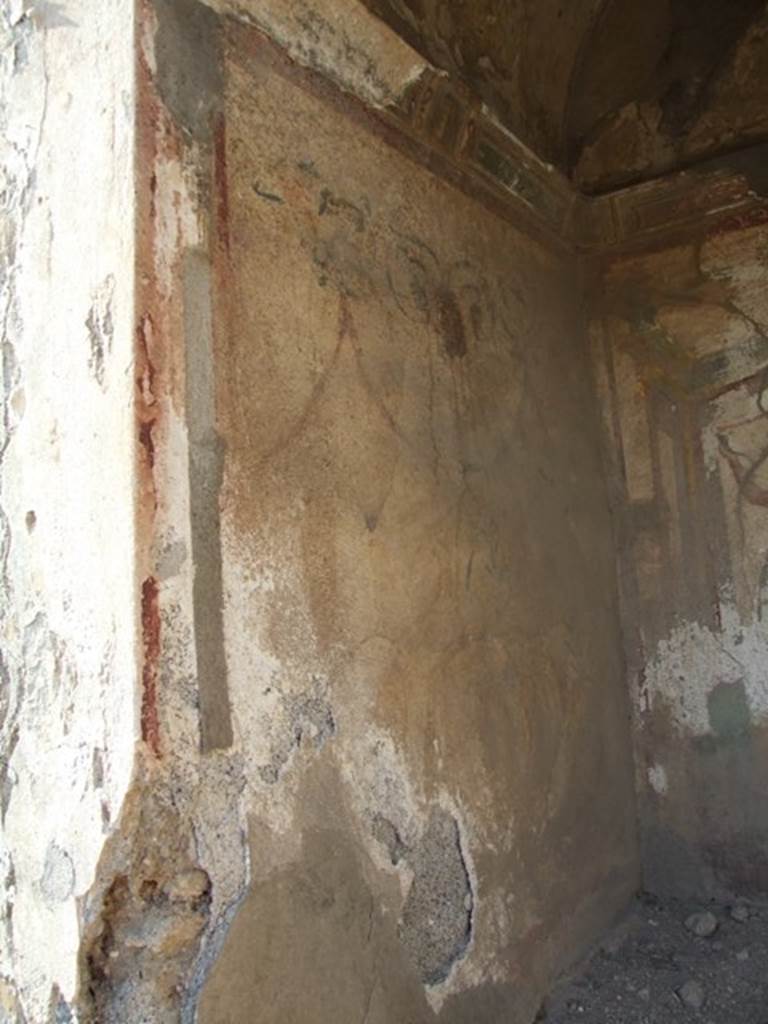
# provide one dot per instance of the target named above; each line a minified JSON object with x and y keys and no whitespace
{"x":339,"y":730}
{"x":682,"y":352}
{"x":327,"y":734}
{"x":67,"y":608}
{"x":420,"y":633}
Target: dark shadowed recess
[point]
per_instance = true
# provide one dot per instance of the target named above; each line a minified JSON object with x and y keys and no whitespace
{"x":565,"y":74}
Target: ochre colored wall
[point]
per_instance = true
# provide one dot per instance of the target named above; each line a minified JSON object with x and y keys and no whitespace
{"x":420,"y":622}
{"x":683,"y":352}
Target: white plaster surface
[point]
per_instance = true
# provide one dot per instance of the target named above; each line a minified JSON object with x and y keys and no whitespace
{"x":67,"y":616}
{"x":692,"y":660}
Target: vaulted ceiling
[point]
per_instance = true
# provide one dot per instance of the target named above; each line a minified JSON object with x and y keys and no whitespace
{"x":611,"y":91}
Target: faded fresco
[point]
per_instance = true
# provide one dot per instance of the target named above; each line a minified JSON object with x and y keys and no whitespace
{"x":682,"y":356}
{"x":420,"y":625}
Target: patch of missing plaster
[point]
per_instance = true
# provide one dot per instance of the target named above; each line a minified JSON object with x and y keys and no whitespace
{"x":7,"y":772}
{"x":100,"y":326}
{"x":144,"y":928}
{"x":170,"y":559}
{"x":11,"y":383}
{"x":58,"y":879}
{"x":699,"y":676}
{"x":11,"y":1010}
{"x":436,"y":924}
{"x":143,"y":920}
{"x":307,"y":720}
{"x":5,"y":691}
{"x":381,"y":786}
{"x":59,"y":1011}
{"x":97,"y":768}
{"x":387,"y":834}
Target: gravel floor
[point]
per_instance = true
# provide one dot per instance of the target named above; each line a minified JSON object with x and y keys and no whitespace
{"x":673,"y":961}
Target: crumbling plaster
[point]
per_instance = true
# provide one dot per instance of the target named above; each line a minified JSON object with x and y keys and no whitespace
{"x":647,"y":136}
{"x":298,"y":751}
{"x":361,"y":616}
{"x":610,"y":91}
{"x":683,"y":349}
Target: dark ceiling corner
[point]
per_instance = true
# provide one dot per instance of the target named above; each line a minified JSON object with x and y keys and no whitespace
{"x":612,"y":92}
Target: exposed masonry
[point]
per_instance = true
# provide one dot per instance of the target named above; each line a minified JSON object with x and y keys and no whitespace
{"x":387,"y":834}
{"x":436,"y":923}
{"x":170,"y":879}
{"x":141,"y":947}
{"x":301,"y":719}
{"x":436,"y":919}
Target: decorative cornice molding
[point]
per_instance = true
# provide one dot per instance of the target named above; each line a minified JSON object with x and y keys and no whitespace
{"x":441,"y":113}
{"x":658,"y":210}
